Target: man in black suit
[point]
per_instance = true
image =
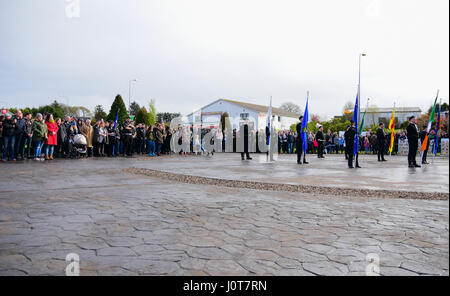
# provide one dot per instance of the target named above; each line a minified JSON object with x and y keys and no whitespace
{"x":413,"y":142}
{"x":299,"y":143}
{"x":381,"y":142}
{"x":320,"y":141}
{"x":422,"y":135}
{"x":245,"y":127}
{"x":349,"y":143}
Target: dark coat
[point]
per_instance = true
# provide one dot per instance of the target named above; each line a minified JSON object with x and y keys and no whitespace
{"x":381,"y":137}
{"x":412,"y":134}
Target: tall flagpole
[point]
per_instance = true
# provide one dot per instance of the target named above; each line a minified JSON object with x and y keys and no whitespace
{"x":304,"y":152}
{"x":390,"y":152}
{"x":359,"y":105}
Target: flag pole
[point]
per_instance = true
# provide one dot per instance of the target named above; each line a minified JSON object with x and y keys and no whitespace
{"x":304,"y":150}
{"x":390,"y":152}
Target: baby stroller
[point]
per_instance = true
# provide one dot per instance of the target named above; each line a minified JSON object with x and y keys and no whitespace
{"x":78,"y":143}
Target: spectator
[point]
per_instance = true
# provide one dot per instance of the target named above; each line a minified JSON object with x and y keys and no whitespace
{"x":39,"y":129}
{"x":52,"y":137}
{"x":9,"y":137}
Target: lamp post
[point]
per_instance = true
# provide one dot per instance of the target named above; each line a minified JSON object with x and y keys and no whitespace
{"x":129,"y":93}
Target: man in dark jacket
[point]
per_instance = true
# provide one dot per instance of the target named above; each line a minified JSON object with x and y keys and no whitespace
{"x":9,"y":137}
{"x":413,"y":142}
{"x":349,"y":144}
{"x":247,"y":154}
{"x":381,"y":142}
{"x":320,"y":141}
{"x":422,"y":135}
{"x":299,"y":143}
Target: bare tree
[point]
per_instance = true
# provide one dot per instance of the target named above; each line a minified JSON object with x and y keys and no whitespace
{"x":291,"y":107}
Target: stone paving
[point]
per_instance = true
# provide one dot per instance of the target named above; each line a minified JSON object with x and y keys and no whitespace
{"x":125,"y":224}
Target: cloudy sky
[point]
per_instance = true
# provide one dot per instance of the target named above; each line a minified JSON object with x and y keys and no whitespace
{"x":186,"y":54}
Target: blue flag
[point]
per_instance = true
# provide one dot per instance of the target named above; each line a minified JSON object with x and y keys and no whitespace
{"x":355,"y":120}
{"x":305,"y":129}
{"x":117,"y":118}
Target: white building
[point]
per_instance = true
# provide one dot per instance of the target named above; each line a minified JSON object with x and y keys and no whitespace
{"x":376,"y":115}
{"x":210,"y":115}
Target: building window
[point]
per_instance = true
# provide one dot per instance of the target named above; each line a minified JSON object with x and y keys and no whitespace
{"x":244,"y":116}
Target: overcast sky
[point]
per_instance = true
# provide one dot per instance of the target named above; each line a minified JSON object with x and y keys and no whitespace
{"x":188,"y":53}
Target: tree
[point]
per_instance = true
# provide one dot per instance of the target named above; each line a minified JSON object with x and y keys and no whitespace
{"x":444,"y":107}
{"x":142,"y":116}
{"x":134,"y":108}
{"x":166,"y":116}
{"x":291,"y":107}
{"x":347,"y":110}
{"x":99,"y":113}
{"x":118,"y":106}
{"x":315,"y":118}
{"x":152,"y":112}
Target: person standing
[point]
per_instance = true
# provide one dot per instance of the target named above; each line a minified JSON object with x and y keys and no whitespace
{"x":9,"y":137}
{"x":128,"y":132}
{"x":150,"y":137}
{"x":320,"y":141}
{"x":39,"y":129}
{"x":247,"y":154}
{"x":350,"y":144}
{"x":61,"y":138}
{"x":20,"y":134}
{"x":413,"y":142}
{"x":28,"y":137}
{"x":299,"y":143}
{"x":422,"y":135}
{"x":88,"y":132}
{"x":381,"y":142}
{"x":52,"y":137}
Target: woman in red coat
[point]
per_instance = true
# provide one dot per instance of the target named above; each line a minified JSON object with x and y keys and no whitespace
{"x":51,"y":140}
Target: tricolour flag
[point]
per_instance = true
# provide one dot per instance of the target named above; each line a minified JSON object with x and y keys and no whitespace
{"x":305,"y":128}
{"x":355,"y":120}
{"x":392,"y":129}
{"x":361,"y":126}
{"x":430,"y":122}
{"x":436,"y":130}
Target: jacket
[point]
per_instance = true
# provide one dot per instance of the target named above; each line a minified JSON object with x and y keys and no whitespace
{"x":39,"y":129}
{"x":52,"y":135}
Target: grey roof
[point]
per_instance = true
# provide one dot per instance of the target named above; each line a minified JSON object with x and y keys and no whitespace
{"x":257,"y":108}
{"x":389,"y":109}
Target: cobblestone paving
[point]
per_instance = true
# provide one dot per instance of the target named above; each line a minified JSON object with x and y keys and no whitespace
{"x":123,"y":224}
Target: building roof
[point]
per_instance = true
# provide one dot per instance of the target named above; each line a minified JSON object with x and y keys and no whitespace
{"x":389,"y":109}
{"x":257,"y":108}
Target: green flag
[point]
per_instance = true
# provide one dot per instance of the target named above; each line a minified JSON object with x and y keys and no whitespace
{"x":361,"y":126}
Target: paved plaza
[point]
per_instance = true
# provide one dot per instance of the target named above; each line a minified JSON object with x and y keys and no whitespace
{"x":124,"y":223}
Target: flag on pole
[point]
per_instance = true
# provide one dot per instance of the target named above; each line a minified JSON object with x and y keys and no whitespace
{"x":430,"y":121}
{"x":305,"y":128}
{"x":392,"y":129}
{"x":436,"y":129}
{"x":117,"y":118}
{"x":269,"y":117}
{"x":361,"y":126}
{"x":355,"y":120}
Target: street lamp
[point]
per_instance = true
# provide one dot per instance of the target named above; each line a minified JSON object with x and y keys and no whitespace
{"x":129,"y":93}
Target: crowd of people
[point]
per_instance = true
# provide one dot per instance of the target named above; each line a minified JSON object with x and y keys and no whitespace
{"x":45,"y":138}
